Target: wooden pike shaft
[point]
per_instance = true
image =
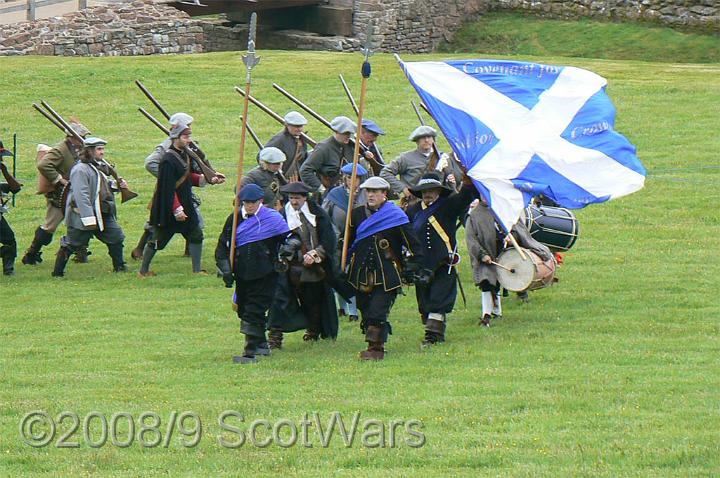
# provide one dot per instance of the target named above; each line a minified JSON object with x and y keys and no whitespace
{"x":351,"y":199}
{"x":243,"y":134}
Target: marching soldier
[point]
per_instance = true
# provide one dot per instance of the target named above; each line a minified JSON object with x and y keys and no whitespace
{"x":152,"y":165}
{"x":336,"y":203}
{"x":379,"y":232}
{"x":292,"y":144}
{"x":8,"y":250}
{"x":435,"y":220}
{"x":406,"y":170}
{"x":309,"y":254}
{"x":54,"y":169}
{"x":260,"y":231}
{"x":91,"y":210}
{"x":321,"y":171}
{"x":268,"y":176}
{"x":173,"y":209}
{"x":485,"y":241}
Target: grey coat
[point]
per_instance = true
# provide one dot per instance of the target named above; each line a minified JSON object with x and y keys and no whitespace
{"x":409,"y":166}
{"x":325,"y":160}
{"x":482,"y":238}
{"x":269,"y":182}
{"x":89,"y":198}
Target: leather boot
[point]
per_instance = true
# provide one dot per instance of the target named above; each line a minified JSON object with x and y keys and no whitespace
{"x":33,"y":255}
{"x":115,"y":251}
{"x":376,"y":344}
{"x":8,"y":252}
{"x":275,"y":338}
{"x":434,"y":332}
{"x":137,"y":253}
{"x":423,"y":318}
{"x":485,"y":320}
{"x":81,"y":255}
{"x":254,"y":337}
{"x":61,"y":260}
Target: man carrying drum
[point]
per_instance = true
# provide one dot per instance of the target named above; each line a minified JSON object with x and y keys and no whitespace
{"x":485,"y":241}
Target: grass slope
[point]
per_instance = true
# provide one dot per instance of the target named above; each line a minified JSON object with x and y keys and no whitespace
{"x":613,"y":372}
{"x":502,"y":33}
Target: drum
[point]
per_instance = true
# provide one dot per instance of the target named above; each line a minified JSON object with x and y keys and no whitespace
{"x":517,"y":274}
{"x":556,"y":227}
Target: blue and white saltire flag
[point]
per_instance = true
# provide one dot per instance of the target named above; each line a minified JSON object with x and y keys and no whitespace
{"x":523,"y":129}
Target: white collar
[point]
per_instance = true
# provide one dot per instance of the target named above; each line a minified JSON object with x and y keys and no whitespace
{"x":293,"y":217}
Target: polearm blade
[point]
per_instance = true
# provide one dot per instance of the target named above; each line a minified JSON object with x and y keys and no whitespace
{"x":365,"y":71}
{"x":250,"y":60}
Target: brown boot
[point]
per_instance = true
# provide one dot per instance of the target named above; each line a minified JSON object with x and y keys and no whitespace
{"x":376,"y":345}
{"x":275,"y":338}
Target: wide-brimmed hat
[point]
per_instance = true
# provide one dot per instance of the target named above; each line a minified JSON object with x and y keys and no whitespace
{"x":430,"y":181}
{"x":296,"y":187}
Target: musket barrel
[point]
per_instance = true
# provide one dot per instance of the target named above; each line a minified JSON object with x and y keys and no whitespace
{"x":274,"y":115}
{"x":302,"y":105}
{"x":152,"y":99}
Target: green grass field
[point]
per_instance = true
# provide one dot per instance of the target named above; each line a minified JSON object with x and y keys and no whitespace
{"x":505,"y":33}
{"x":613,"y":372}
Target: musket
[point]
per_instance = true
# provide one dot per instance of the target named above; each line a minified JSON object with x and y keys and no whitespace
{"x":152,"y":99}
{"x":125,"y":193}
{"x":318,"y":117}
{"x":193,"y":148}
{"x":274,"y":115}
{"x":349,"y":95}
{"x":365,"y":71}
{"x":250,"y":60}
{"x":253,"y":135}
{"x":207,"y":171}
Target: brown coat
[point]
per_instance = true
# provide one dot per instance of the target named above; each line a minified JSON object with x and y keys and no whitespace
{"x":57,"y":163}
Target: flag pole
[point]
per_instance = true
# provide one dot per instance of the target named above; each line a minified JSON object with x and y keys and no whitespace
{"x":365,"y":71}
{"x":250,"y":61}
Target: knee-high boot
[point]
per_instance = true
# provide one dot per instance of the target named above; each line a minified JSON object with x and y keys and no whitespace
{"x":375,"y":337}
{"x":61,"y":260}
{"x":115,"y":251}
{"x":34,"y":255}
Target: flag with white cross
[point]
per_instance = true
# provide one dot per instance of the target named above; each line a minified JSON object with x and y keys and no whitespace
{"x":523,"y":129}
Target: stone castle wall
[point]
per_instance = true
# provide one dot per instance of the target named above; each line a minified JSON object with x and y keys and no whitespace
{"x":418,"y":26}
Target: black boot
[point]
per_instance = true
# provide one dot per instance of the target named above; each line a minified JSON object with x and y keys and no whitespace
{"x":137,"y":253}
{"x":33,"y":255}
{"x":254,"y":338}
{"x":8,"y":252}
{"x":61,"y":260}
{"x":81,"y":255}
{"x":115,"y":251}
